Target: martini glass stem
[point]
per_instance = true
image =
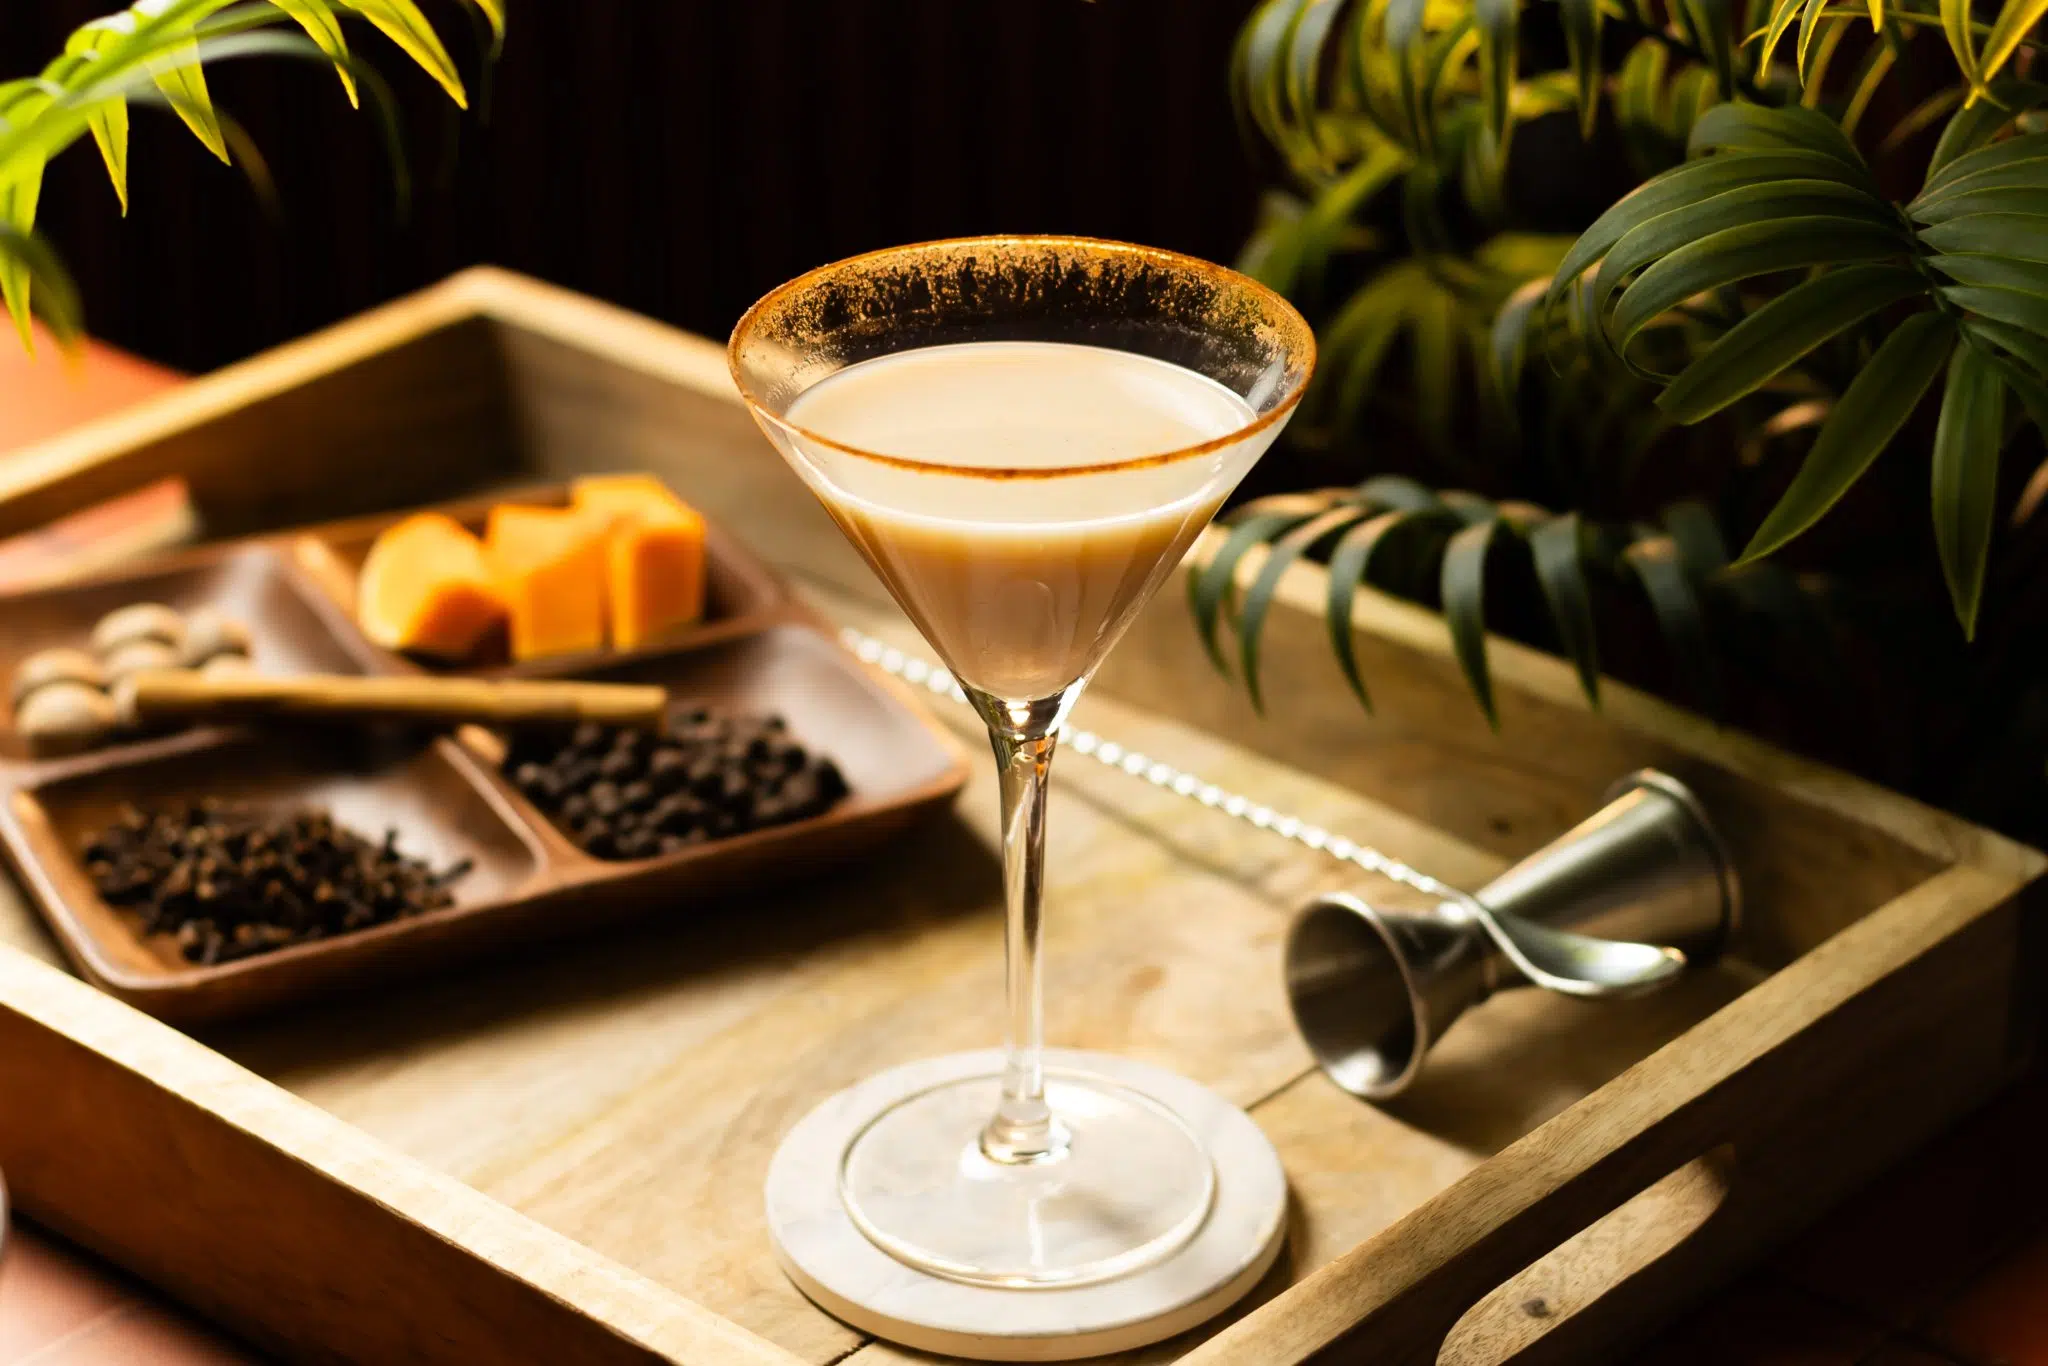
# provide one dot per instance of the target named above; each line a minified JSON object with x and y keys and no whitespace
{"x":1023,"y":1128}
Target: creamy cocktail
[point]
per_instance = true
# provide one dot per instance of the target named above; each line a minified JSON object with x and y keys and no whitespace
{"x":1020,"y":575}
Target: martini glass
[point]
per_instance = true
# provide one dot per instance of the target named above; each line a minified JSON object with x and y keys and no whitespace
{"x":1022,"y":436}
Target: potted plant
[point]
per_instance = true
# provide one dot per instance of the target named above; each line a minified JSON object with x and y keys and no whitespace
{"x":156,"y":52}
{"x":1644,"y":281}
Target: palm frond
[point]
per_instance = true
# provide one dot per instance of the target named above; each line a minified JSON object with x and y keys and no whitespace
{"x":1445,"y":549}
{"x":157,"y":52}
{"x":1958,"y":279}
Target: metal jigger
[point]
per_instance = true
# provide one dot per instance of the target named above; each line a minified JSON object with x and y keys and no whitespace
{"x":1373,"y":989}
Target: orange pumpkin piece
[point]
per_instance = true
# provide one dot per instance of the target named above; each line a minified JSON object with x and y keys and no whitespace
{"x":425,"y":588}
{"x":549,"y":568}
{"x":654,"y":555}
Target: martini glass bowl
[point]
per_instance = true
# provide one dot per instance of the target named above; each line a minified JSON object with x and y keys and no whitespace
{"x":1022,"y":574}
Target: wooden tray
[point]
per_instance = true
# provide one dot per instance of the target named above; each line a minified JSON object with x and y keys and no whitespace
{"x":558,"y":1157}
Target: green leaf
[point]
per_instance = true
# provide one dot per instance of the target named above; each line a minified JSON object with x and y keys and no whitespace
{"x":494,"y":15}
{"x":1399,"y":492}
{"x":1582,"y":47}
{"x":1301,"y":253}
{"x":1497,"y":23}
{"x":2025,"y":385}
{"x":1254,"y":71}
{"x":323,"y":26}
{"x":1258,"y":599}
{"x":1469,"y":508}
{"x":1212,"y":584}
{"x":1510,"y":337}
{"x":1443,"y":55}
{"x":1402,"y":34}
{"x":19,"y":191}
{"x":1356,"y":344}
{"x":2016,"y":18}
{"x":1301,"y":84}
{"x":1985,"y":186}
{"x":109,"y":120}
{"x":1464,"y":597}
{"x":2029,"y":311}
{"x":2028,"y":150}
{"x":1776,"y":336}
{"x":1435,"y":367}
{"x":1683,"y":186}
{"x":1920,"y":118}
{"x":1558,"y":550}
{"x":1697,"y":535}
{"x":1955,"y":23}
{"x":179,"y":76}
{"x":1741,"y":253}
{"x":2028,"y":199}
{"x":1734,"y":208}
{"x":56,"y":297}
{"x":1351,"y":561}
{"x":110,"y":133}
{"x":2021,"y":236}
{"x":1977,"y":124}
{"x":1966,"y":443}
{"x":1823,"y":57}
{"x":1713,"y":30}
{"x":402,"y":22}
{"x":1693,"y":93}
{"x":1681,"y":618}
{"x":1996,"y":272}
{"x":1865,"y":419}
{"x":2030,"y":349}
{"x":1637,"y":93}
{"x":1809,"y":24}
{"x":1877,"y":65}
{"x":1783,"y":13}
{"x":1755,"y":128}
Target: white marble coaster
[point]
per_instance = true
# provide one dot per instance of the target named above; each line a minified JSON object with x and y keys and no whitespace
{"x":855,"y":1281}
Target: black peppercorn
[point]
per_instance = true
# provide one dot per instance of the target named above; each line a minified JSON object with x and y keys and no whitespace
{"x":628,"y":794}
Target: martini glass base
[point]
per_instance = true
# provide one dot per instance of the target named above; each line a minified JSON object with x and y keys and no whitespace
{"x":1128,"y":1185}
{"x":949,"y":1271}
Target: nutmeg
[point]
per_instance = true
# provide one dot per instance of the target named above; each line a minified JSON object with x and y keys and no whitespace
{"x":210,"y":634}
{"x":138,"y":655}
{"x":61,"y":665}
{"x":65,"y":717}
{"x":137,"y":622}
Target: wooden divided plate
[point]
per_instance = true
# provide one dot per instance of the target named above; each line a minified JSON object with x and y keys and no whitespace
{"x":755,"y":654}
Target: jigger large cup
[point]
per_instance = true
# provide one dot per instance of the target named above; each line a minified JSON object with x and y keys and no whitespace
{"x":1373,"y":989}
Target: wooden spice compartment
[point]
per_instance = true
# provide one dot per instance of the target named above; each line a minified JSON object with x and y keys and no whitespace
{"x":741,"y":594}
{"x":292,"y":629}
{"x":558,"y":1157}
{"x":430,"y":792}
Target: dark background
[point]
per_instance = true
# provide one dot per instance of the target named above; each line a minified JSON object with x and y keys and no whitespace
{"x":679,"y":157}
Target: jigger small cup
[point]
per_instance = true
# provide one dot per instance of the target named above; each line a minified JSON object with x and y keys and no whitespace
{"x":1373,"y":989}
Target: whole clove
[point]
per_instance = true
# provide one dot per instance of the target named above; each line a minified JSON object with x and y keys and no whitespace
{"x":230,"y":881}
{"x":625,"y":794}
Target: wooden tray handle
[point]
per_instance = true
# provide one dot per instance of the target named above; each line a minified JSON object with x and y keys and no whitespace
{"x":1598,"y":1226}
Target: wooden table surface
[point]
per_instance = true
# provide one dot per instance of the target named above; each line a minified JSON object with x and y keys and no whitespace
{"x":1943,"y":1261}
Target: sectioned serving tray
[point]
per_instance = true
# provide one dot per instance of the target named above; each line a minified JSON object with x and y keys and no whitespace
{"x":558,"y":1157}
{"x":755,"y":653}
